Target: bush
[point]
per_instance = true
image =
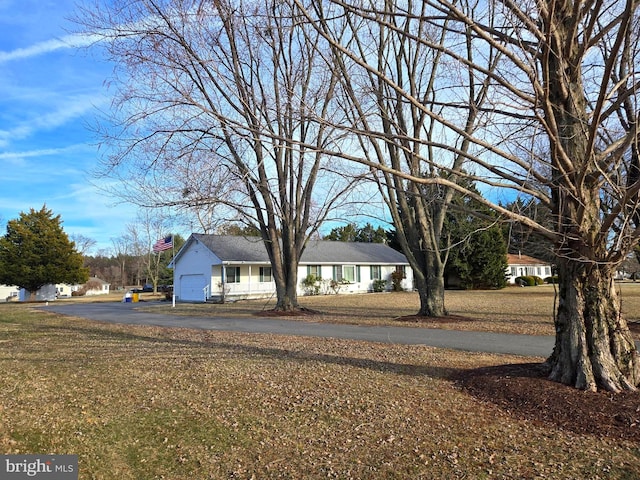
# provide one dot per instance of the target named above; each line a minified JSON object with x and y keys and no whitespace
{"x":526,"y":281}
{"x":551,"y":280}
{"x":396,"y":279}
{"x":311,"y":284}
{"x":379,"y":285}
{"x":538,"y":280}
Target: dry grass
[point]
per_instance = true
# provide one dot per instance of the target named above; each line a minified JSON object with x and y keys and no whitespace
{"x":150,"y":403}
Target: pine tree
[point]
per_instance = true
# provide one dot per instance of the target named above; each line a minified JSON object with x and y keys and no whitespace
{"x":481,"y":262}
{"x":36,"y":251}
{"x":478,"y":255}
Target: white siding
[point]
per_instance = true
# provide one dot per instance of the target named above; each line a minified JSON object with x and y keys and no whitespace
{"x":514,"y":271}
{"x":365,"y":284}
{"x":195,"y":260}
{"x":9,"y":292}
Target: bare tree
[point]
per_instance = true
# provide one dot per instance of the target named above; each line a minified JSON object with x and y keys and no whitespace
{"x":149,"y":226}
{"x":567,"y":73}
{"x":83,"y":243}
{"x":121,"y":252}
{"x":218,"y":105}
{"x":399,"y":134}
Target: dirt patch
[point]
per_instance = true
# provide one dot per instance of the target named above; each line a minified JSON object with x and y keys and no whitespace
{"x":524,"y":391}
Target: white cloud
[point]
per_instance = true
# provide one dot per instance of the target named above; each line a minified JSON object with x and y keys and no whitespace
{"x":70,"y":108}
{"x":17,"y":158}
{"x":48,"y":46}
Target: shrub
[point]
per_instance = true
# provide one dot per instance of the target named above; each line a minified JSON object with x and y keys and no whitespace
{"x":525,"y":281}
{"x":396,"y":280}
{"x":538,"y":280}
{"x":379,"y":285}
{"x":335,"y":286}
{"x":551,"y":280}
{"x":311,"y":284}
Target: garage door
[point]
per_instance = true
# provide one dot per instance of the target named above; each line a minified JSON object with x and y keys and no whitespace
{"x":191,"y":288}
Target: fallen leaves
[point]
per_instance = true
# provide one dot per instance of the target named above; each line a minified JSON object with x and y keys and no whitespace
{"x":145,"y":402}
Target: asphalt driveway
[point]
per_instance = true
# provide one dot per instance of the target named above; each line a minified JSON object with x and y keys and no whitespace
{"x":126,"y":313}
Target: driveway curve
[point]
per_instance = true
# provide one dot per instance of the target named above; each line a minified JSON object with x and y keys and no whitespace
{"x":127,"y":313}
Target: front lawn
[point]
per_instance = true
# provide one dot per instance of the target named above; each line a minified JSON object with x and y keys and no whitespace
{"x":151,"y":403}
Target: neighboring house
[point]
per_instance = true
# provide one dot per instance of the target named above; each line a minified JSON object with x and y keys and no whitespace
{"x":9,"y":293}
{"x":97,"y":286}
{"x":235,"y":267}
{"x":523,"y":265}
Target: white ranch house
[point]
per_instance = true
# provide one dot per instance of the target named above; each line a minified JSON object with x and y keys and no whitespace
{"x":212,"y":267}
{"x":524,"y":265}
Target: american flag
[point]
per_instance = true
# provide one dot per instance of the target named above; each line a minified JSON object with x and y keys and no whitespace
{"x":163,"y":244}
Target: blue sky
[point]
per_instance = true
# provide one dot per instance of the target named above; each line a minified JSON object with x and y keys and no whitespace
{"x":50,"y":90}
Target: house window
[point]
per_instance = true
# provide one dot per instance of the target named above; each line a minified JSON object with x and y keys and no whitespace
{"x":349,"y":273}
{"x":314,"y":270}
{"x":346,"y":273}
{"x":375,"y":272}
{"x":233,"y":274}
{"x":265,"y":275}
{"x":337,"y":273}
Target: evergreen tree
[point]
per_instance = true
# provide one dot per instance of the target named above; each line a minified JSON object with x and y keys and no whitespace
{"x":478,"y":253}
{"x":244,"y":230}
{"x":353,"y":233}
{"x":480,"y":262}
{"x":36,"y":251}
{"x":346,"y":233}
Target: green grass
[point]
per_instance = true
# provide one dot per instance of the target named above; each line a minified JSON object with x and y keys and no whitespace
{"x":150,"y":403}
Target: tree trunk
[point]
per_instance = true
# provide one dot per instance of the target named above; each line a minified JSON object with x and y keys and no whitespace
{"x":432,"y":297}
{"x":430,"y":285}
{"x":284,"y":257}
{"x":287,"y":290}
{"x":594,"y":347}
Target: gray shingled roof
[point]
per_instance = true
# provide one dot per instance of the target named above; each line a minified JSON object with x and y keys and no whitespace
{"x":251,"y":249}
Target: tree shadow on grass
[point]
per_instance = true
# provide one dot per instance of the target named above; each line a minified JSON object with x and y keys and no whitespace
{"x":521,"y":390}
{"x":209,"y":340}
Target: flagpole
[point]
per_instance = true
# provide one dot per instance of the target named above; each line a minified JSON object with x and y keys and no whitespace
{"x":173,"y":278}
